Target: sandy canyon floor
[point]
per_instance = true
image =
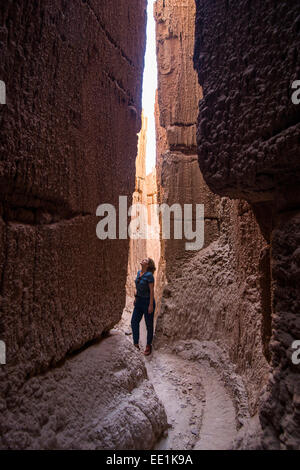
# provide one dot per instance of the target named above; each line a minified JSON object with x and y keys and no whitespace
{"x":204,"y":399}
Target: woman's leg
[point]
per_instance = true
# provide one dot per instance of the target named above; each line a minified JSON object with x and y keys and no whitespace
{"x":135,"y":323}
{"x":149,"y":319}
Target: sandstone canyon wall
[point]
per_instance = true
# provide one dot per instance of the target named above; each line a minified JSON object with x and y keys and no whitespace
{"x":247,"y":56}
{"x":216,"y":293}
{"x":73,"y":73}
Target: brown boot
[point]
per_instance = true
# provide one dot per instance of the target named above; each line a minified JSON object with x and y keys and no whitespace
{"x":148,"y":350}
{"x":137,"y":346}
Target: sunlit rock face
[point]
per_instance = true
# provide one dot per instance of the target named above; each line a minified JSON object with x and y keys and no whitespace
{"x":215,"y":293}
{"x":176,"y":116}
{"x":73,"y":73}
{"x":178,"y":85}
{"x":246,"y":56}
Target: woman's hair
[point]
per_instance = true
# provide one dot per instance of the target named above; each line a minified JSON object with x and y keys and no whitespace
{"x":151,"y":265}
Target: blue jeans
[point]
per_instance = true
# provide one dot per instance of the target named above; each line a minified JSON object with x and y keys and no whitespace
{"x":140,"y":309}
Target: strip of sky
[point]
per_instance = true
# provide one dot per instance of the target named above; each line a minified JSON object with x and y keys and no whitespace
{"x":149,"y":88}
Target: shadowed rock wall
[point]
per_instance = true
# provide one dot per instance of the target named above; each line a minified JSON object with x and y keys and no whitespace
{"x":74,"y":82}
{"x":247,"y":56}
{"x":73,"y":73}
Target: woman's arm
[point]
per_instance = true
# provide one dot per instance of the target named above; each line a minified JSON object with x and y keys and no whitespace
{"x":135,"y":289}
{"x":151,"y":287}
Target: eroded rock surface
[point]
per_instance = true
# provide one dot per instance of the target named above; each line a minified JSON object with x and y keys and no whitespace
{"x":216,"y":296}
{"x":99,"y":398}
{"x":246,"y":55}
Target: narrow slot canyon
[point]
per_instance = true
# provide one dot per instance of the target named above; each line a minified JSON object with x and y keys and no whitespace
{"x":224,"y":369}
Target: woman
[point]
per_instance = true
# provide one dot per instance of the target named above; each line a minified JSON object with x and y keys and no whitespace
{"x":144,"y":303}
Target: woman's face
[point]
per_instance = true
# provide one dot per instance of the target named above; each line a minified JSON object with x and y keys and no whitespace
{"x":144,"y":262}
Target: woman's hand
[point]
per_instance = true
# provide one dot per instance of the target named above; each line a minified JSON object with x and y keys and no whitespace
{"x":151,"y":287}
{"x":150,"y":308}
